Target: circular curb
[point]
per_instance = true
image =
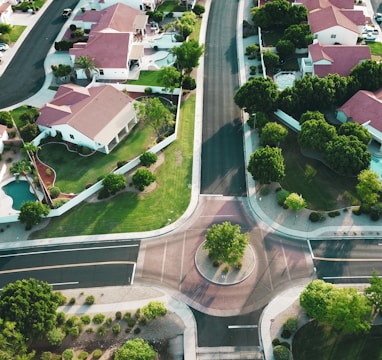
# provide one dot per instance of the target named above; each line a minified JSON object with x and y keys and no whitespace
{"x":216,"y":276}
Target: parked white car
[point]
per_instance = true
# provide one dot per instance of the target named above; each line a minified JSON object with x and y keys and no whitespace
{"x":370,"y":30}
{"x":4,"y":46}
{"x":370,"y":37}
{"x":378,"y":17}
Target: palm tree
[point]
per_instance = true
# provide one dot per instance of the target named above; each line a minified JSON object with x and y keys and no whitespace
{"x":87,"y":64}
{"x":31,"y":149}
{"x":24,"y":168}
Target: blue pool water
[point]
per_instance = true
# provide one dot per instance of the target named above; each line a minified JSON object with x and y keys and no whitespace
{"x":19,"y":192}
{"x":166,"y":41}
{"x":166,"y":61}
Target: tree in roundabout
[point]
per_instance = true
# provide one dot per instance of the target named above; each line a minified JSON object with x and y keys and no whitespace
{"x":135,"y":349}
{"x":226,"y":244}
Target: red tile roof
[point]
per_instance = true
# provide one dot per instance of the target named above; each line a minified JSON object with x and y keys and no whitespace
{"x":88,"y":110}
{"x":330,"y":17}
{"x":342,"y":58}
{"x":321,"y":4}
{"x":365,"y":106}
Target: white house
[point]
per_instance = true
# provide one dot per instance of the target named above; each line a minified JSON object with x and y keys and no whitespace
{"x":3,"y":137}
{"x":6,"y":11}
{"x":114,"y":41}
{"x":97,"y":117}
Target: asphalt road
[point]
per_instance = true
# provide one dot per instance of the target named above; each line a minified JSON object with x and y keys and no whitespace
{"x":73,"y":266}
{"x":25,"y":74}
{"x":222,"y":170}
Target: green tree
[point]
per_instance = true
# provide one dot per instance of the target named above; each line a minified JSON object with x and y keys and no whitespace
{"x":12,"y":342}
{"x":271,"y":60}
{"x":311,"y":115}
{"x":368,"y":187}
{"x":87,"y":64}
{"x":299,"y":34}
{"x":349,"y":311}
{"x":198,"y":9}
{"x":32,"y":212}
{"x":261,"y":119}
{"x":170,"y":78}
{"x":114,"y":183}
{"x":61,"y":70}
{"x":6,"y":119}
{"x":135,"y":349}
{"x":31,"y":304}
{"x":148,"y":158}
{"x":347,"y":155}
{"x":285,"y":48}
{"x":5,"y":28}
{"x":28,"y":132}
{"x":258,"y":94}
{"x":374,"y":291}
{"x":143,"y":178}
{"x":225,"y":243}
{"x":272,"y":134}
{"x":153,"y":309}
{"x":295,"y":202}
{"x":281,"y":353}
{"x":316,"y":134}
{"x":367,"y":75}
{"x":316,"y":297}
{"x":266,"y":164}
{"x":154,"y":114}
{"x":359,"y":131}
{"x":187,"y":55}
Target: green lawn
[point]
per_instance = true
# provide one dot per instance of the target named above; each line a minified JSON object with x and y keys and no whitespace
{"x":129,"y":212}
{"x":74,"y":172}
{"x":375,"y":48}
{"x":171,"y":6}
{"x":16,"y":32}
{"x":317,"y":342}
{"x":321,"y":187}
{"x":16,"y":113}
{"x":147,"y":77}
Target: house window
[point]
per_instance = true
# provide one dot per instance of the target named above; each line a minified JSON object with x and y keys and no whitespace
{"x":333,"y":36}
{"x":71,"y":136}
{"x":101,"y":72}
{"x":316,"y":36}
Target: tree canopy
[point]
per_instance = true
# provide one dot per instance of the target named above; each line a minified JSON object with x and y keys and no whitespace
{"x":170,"y":78}
{"x":114,"y":183}
{"x":266,"y":164}
{"x":154,"y":114}
{"x":225,"y":243}
{"x":359,"y":131}
{"x":347,"y":155}
{"x":374,"y":291}
{"x":32,"y":212}
{"x":187,"y":55}
{"x":258,"y":94}
{"x":368,"y":187}
{"x":31,"y":304}
{"x":295,"y":202}
{"x":273,"y":133}
{"x":299,"y":34}
{"x":135,"y":349}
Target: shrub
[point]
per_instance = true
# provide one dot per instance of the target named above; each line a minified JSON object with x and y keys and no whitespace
{"x":68,"y":354}
{"x":54,"y":192}
{"x":127,"y":316}
{"x":275,"y":342}
{"x":72,"y":321}
{"x":74,"y":331}
{"x":357,"y":211}
{"x":116,"y":329}
{"x":143,"y":178}
{"x":108,"y":321}
{"x":137,"y":330}
{"x":85,"y":319}
{"x":48,"y":172}
{"x":131,"y":322}
{"x":83,"y":355}
{"x":98,"y":319}
{"x":61,"y":299}
{"x":286,"y":334}
{"x":60,"y":318}
{"x":72,"y":301}
{"x":251,"y":121}
{"x":198,"y":9}
{"x":46,"y":355}
{"x":89,"y":330}
{"x":285,"y":344}
{"x":55,"y":336}
{"x":281,"y":196}
{"x":119,"y":165}
{"x":148,"y":158}
{"x":118,"y":315}
{"x":291,"y":324}
{"x":90,"y":300}
{"x":189,"y":83}
{"x":281,"y":353}
{"x":316,"y":216}
{"x":97,"y":354}
{"x":78,"y":33}
{"x":153,"y":309}
{"x":127,"y":330}
{"x":148,"y":91}
{"x":101,"y":331}
{"x":72,"y":27}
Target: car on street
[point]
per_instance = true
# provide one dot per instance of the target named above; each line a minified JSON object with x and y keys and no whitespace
{"x":4,"y":46}
{"x":370,"y":30}
{"x":378,"y":17}
{"x":66,"y":13}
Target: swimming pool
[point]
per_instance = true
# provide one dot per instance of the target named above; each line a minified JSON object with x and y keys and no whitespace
{"x":168,"y":60}
{"x":285,"y":79}
{"x":166,"y":41}
{"x":19,"y":192}
{"x":376,"y":165}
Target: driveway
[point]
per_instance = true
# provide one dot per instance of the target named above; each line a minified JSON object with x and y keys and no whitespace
{"x":25,"y":75}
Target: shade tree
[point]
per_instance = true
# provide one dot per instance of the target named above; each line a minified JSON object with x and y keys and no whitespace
{"x":315,"y":135}
{"x":187,"y":55}
{"x":32,"y":213}
{"x":135,"y":349}
{"x":352,"y":128}
{"x":143,"y":178}
{"x":170,"y":78}
{"x":266,"y":164}
{"x":374,"y":291}
{"x":272,"y":134}
{"x":311,"y":115}
{"x":369,"y":187}
{"x":299,"y":34}
{"x":113,"y":183}
{"x":225,"y":243}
